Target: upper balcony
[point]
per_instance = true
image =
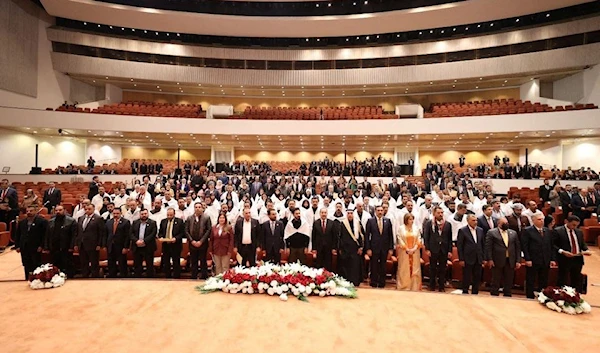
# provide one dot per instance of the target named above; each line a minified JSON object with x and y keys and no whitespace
{"x":445,"y":20}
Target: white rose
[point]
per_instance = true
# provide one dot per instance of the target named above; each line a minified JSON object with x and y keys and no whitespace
{"x":273,"y":283}
{"x":586,"y":307}
{"x":560,"y":303}
{"x":244,"y":290}
{"x":312,"y":286}
{"x":270,"y":291}
{"x":316,"y":291}
{"x":48,"y":285}
{"x":579,"y":309}
{"x":295,"y":292}
{"x":308,"y":291}
{"x":570,"y":310}
{"x":250,"y":290}
{"x":283,"y":297}
{"x":322,"y":294}
{"x":227,"y":282}
{"x":279,"y":290}
{"x":261,"y":291}
{"x":284,"y":288}
{"x":301,"y":288}
{"x":225,"y":289}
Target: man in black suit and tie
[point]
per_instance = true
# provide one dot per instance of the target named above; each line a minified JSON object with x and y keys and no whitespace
{"x":52,"y":197}
{"x":503,"y":253}
{"x":569,"y":244}
{"x":60,"y":240}
{"x":437,"y":239}
{"x":117,"y":244}
{"x":582,"y":205}
{"x":170,"y":233}
{"x":485,"y":221}
{"x":379,"y":243}
{"x":134,"y":167}
{"x":470,"y":244}
{"x":197,"y":232}
{"x":143,"y":241}
{"x":90,"y":236}
{"x":9,"y":202}
{"x":272,"y":237}
{"x":394,"y":188}
{"x":324,"y":237}
{"x":246,"y":238}
{"x":536,"y":243}
{"x":29,"y":240}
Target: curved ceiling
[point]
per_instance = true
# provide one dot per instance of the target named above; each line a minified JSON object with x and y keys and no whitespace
{"x":287,"y":8}
{"x":453,"y":14}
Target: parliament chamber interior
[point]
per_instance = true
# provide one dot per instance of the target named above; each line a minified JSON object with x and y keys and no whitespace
{"x":399,"y":147}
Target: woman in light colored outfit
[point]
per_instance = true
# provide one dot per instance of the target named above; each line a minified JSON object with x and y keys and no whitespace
{"x":409,"y":257}
{"x":221,"y":244}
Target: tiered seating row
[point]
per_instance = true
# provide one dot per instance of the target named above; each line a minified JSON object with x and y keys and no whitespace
{"x":144,"y":109}
{"x":314,"y":113}
{"x":496,"y":107}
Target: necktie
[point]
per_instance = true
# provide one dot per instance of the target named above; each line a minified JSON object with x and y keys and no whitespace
{"x":50,"y":192}
{"x":491,"y":223}
{"x":541,"y":232}
{"x":574,"y":249}
{"x":380,"y":225}
{"x":519,"y":223}
{"x":115,"y":225}
{"x":585,"y":201}
{"x":169,"y":229}
{"x":272,"y":227}
{"x":323,"y":226}
{"x":437,"y":228}
{"x":85,"y":222}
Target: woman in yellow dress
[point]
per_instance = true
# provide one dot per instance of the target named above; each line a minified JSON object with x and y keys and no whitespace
{"x":409,"y":258}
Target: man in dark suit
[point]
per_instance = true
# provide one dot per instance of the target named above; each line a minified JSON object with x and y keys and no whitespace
{"x":246,"y":238}
{"x":143,"y":241}
{"x":90,"y":236}
{"x":485,"y":221}
{"x":9,"y":202}
{"x":582,"y":205}
{"x":565,"y":199}
{"x":60,"y":239}
{"x":437,"y":239}
{"x":197,"y":232}
{"x":29,"y":240}
{"x":379,"y":243}
{"x":272,"y":237}
{"x":170,"y":233}
{"x":324,"y":238}
{"x":470,"y":244}
{"x":503,"y":253}
{"x":52,"y":197}
{"x":143,"y":168}
{"x":394,"y":188}
{"x":94,"y":185}
{"x":569,"y":244}
{"x":134,"y":167}
{"x":544,"y":191}
{"x":536,"y":243}
{"x":517,"y":221}
{"x":117,"y":244}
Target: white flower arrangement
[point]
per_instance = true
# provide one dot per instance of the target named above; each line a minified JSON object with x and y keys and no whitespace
{"x":564,"y":300}
{"x":281,"y":280}
{"x":47,"y":276}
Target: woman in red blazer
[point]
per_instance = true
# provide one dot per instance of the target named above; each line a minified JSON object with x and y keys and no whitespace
{"x":221,"y":244}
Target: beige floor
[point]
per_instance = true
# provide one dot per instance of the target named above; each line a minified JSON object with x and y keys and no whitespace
{"x":169,"y":316}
